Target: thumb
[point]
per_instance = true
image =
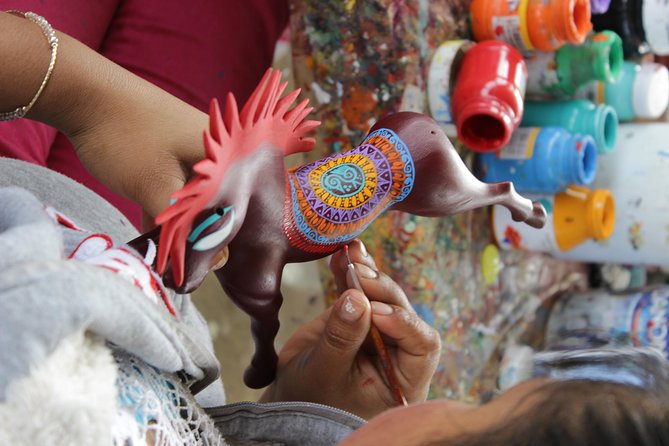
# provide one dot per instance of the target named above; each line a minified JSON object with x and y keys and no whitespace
{"x":345,"y":331}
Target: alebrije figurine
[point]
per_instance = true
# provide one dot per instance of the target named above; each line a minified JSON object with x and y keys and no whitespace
{"x":245,"y":216}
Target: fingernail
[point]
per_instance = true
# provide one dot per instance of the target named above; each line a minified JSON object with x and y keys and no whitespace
{"x":366,"y":272}
{"x":381,"y":308}
{"x":363,"y":248}
{"x":352,"y":307}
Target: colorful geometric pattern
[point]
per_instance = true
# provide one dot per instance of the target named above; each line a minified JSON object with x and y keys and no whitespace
{"x":331,"y":201}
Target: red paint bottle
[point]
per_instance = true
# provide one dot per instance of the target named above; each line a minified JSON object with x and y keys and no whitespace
{"x":487,"y":102}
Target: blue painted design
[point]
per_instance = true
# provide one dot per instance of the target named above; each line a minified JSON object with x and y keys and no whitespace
{"x":213,"y":218}
{"x":380,"y":161}
{"x":344,"y":180}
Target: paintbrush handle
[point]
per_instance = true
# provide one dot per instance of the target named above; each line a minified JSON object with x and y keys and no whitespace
{"x":387,"y":365}
{"x":380,"y":346}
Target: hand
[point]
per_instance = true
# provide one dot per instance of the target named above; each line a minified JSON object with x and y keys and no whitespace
{"x":329,"y":361}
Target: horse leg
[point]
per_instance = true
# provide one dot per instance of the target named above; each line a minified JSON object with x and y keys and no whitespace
{"x":461,"y":194}
{"x":259,"y":296}
{"x":522,"y":209}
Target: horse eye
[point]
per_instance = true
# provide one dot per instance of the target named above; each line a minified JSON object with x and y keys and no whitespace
{"x":219,"y":211}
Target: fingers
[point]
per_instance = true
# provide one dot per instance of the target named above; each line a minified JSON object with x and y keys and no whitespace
{"x":418,"y":345}
{"x":338,"y":263}
{"x":406,"y":328}
{"x":375,"y":284}
{"x":345,"y":330}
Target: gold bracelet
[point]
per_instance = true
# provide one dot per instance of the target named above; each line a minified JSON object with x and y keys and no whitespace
{"x":53,"y":42}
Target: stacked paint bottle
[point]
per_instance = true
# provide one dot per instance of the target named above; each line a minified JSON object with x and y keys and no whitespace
{"x":637,"y":174}
{"x":542,"y":160}
{"x":624,"y":18}
{"x":444,"y":68}
{"x":643,"y":25}
{"x":575,"y":215}
{"x":576,"y":116}
{"x":543,"y":25}
{"x":488,"y":95}
{"x":561,"y":73}
{"x":597,"y":318}
{"x":640,"y":91}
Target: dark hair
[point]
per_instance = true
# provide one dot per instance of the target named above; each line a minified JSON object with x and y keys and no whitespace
{"x":582,"y":413}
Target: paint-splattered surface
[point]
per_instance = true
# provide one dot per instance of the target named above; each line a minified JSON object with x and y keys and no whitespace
{"x":360,"y":60}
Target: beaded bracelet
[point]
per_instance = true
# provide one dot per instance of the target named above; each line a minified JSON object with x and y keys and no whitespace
{"x":53,"y":42}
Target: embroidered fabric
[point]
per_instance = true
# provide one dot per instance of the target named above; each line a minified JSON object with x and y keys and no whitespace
{"x":157,"y":409}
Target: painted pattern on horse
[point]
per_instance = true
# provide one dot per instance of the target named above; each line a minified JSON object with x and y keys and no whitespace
{"x":331,"y":201}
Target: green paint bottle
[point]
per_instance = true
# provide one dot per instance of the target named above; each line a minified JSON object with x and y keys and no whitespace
{"x":560,"y":73}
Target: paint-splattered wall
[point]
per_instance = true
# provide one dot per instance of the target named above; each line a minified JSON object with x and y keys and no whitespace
{"x":359,"y":60}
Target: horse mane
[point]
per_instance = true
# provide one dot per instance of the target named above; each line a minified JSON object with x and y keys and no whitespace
{"x":266,"y":119}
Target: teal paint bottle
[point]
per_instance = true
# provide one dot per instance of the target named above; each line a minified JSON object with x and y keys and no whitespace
{"x":576,"y":116}
{"x":542,"y":160}
{"x":640,"y":91}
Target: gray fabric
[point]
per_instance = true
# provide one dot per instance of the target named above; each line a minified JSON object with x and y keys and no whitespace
{"x":43,"y":298}
{"x":289,"y":423}
{"x":71,"y":198}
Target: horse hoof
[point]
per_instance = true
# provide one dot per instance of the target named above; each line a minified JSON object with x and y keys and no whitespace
{"x":539,"y":216}
{"x":257,"y":378}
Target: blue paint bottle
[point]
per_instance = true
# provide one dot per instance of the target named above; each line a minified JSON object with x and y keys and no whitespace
{"x":542,"y":160}
{"x":577,"y":116}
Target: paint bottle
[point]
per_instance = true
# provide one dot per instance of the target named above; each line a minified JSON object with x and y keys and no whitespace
{"x":640,"y":91}
{"x":598,"y":318}
{"x":576,"y":116}
{"x":488,"y":95}
{"x":643,"y":25}
{"x":574,"y":216}
{"x":561,"y":73}
{"x":542,"y":160}
{"x":624,"y":18}
{"x":599,"y":6}
{"x":543,"y":25}
{"x":444,"y":68}
{"x":637,"y":174}
{"x":655,"y":17}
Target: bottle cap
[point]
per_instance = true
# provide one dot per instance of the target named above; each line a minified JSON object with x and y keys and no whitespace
{"x":600,"y":218}
{"x":607,"y":48}
{"x":572,"y":21}
{"x":655,"y":17}
{"x":485,"y":124}
{"x":599,"y":6}
{"x":581,"y":213}
{"x":607,"y":132}
{"x":650,"y":93}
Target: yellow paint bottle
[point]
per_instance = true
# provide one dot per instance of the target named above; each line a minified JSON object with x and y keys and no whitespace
{"x":575,"y":215}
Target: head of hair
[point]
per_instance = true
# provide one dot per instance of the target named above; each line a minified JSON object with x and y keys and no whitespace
{"x":582,"y":413}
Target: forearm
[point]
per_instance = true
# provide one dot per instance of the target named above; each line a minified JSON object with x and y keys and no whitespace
{"x":132,"y":122}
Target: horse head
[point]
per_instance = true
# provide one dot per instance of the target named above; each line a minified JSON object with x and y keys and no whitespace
{"x":207,"y":213}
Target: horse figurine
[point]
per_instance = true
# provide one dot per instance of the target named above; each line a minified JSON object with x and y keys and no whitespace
{"x":245,"y":216}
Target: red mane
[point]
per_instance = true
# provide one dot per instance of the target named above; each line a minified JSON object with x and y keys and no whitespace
{"x":266,"y":119}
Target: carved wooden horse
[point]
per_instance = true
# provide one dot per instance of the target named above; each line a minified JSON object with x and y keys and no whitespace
{"x":243,"y":199}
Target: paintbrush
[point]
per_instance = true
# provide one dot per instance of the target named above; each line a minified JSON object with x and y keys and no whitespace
{"x":380,"y":347}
